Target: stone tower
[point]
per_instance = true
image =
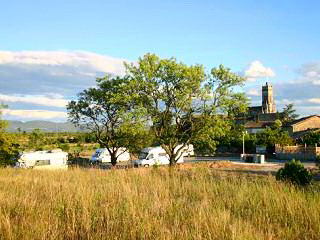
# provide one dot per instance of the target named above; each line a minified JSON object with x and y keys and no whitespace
{"x":268,"y":106}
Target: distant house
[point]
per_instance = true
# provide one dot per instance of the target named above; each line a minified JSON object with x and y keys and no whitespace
{"x":300,"y":127}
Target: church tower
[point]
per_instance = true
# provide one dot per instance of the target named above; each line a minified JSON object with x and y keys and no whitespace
{"x":268,"y":106}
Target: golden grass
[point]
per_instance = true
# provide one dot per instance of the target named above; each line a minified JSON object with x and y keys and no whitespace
{"x":193,"y":203}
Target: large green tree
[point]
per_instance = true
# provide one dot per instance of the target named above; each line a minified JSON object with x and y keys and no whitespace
{"x":185,"y":104}
{"x":109,"y":112}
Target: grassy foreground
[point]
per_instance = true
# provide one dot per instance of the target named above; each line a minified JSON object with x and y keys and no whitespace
{"x":194,"y":203}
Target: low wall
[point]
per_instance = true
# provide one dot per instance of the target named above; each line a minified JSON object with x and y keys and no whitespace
{"x":298,"y":152}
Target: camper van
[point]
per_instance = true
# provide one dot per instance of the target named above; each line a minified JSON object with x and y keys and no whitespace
{"x":154,"y":156}
{"x":52,"y":159}
{"x":187,"y":150}
{"x":102,"y":155}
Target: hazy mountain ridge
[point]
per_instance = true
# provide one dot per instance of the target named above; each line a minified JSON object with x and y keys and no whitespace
{"x":45,"y":126}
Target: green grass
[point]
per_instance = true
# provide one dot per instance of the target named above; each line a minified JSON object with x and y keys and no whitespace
{"x":194,"y":203}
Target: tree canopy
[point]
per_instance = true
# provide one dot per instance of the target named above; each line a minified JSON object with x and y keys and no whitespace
{"x":109,"y":112}
{"x":8,"y":149}
{"x":184,"y":103}
{"x":288,"y":114}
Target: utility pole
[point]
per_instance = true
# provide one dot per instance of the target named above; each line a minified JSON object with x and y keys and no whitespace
{"x":244,"y":132}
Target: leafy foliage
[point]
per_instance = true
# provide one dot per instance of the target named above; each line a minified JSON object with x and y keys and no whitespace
{"x":295,"y":173}
{"x":271,"y":136}
{"x":288,"y":114}
{"x":8,"y":149}
{"x":36,"y":140}
{"x":109,"y":112}
{"x":185,"y":104}
{"x":311,"y":138}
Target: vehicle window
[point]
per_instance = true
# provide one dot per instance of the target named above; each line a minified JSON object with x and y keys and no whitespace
{"x":162,"y":154}
{"x":150,"y":156}
{"x":143,"y":155}
{"x":42,"y":162}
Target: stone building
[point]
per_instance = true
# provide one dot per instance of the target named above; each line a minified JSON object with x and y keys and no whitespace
{"x":302,"y":126}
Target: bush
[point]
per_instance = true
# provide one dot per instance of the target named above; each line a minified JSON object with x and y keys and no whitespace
{"x":294,"y":172}
{"x":65,"y":147}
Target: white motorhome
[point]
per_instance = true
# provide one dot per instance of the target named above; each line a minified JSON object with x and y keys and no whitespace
{"x":154,"y":156}
{"x":52,"y":159}
{"x":187,"y":150}
{"x":102,"y":155}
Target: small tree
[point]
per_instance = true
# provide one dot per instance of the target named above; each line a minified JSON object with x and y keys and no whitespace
{"x":311,"y":138}
{"x":8,"y":149}
{"x":109,"y":113}
{"x":288,"y":114}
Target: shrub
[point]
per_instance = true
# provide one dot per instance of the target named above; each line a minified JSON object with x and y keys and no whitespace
{"x":294,"y":172}
{"x":65,"y":147}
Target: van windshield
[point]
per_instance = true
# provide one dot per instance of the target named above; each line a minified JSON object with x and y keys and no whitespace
{"x":96,"y":154}
{"x":143,"y":155}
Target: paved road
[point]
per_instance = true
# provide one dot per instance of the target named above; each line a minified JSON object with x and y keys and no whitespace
{"x":270,"y":165}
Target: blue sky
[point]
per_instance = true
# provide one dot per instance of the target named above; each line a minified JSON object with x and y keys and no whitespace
{"x":50,"y":50}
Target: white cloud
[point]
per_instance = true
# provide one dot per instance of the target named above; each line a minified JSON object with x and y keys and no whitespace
{"x":253,"y":92}
{"x":35,"y":114}
{"x":63,"y":72}
{"x":314,"y":100}
{"x":309,"y":73}
{"x":257,"y":70}
{"x":76,"y":59}
{"x":34,"y":99}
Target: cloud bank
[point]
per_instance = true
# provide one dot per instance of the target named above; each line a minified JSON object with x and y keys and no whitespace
{"x":35,"y":114}
{"x":257,"y":70}
{"x":31,"y":79}
{"x":34,"y":99}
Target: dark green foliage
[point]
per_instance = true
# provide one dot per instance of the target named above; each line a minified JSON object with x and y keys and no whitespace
{"x":269,"y":137}
{"x":8,"y":148}
{"x":61,"y":140}
{"x":36,"y":139}
{"x":312,"y":138}
{"x":90,"y":138}
{"x":288,"y":114}
{"x":65,"y":147}
{"x":295,"y":173}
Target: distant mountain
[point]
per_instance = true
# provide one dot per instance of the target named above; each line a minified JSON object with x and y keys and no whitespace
{"x":45,"y":126}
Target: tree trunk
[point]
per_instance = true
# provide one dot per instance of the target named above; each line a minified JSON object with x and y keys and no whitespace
{"x":113,"y":158}
{"x":172,"y":160}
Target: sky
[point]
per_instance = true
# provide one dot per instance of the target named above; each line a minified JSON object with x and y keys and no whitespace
{"x":52,"y":50}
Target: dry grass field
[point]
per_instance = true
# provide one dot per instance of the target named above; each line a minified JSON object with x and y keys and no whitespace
{"x":155,"y":203}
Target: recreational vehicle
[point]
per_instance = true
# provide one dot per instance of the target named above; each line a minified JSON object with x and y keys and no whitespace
{"x":102,"y":155}
{"x":52,"y":159}
{"x":154,"y":156}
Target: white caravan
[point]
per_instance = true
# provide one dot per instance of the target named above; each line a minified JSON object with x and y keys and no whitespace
{"x":154,"y":156}
{"x":102,"y":155}
{"x":52,"y":159}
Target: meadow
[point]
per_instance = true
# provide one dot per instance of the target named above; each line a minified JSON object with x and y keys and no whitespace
{"x":154,"y":203}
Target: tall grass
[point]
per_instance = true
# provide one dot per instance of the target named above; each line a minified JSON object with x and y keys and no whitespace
{"x":195,"y":203}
